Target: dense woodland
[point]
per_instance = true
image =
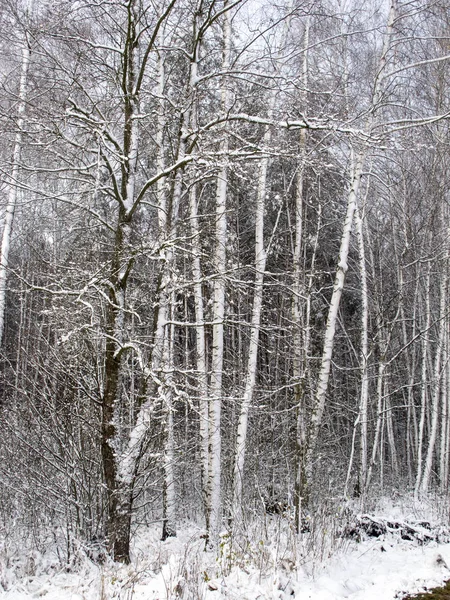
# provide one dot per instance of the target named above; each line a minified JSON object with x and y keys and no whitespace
{"x":224,"y":271}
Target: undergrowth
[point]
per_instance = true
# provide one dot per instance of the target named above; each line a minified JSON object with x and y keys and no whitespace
{"x":264,"y":549}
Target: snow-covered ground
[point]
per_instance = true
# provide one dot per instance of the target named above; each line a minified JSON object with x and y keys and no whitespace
{"x":376,"y":568}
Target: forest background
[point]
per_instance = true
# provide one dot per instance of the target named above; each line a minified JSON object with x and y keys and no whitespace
{"x":224,"y":269}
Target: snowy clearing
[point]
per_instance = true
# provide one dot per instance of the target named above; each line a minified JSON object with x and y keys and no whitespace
{"x":375,"y":568}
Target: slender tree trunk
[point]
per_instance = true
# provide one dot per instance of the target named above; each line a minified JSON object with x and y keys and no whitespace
{"x":437,"y":378}
{"x":445,"y":427}
{"x":13,"y":184}
{"x":410,"y":352}
{"x":162,"y":361}
{"x":376,"y":447}
{"x":381,"y":447}
{"x":445,"y":419}
{"x":201,"y":358}
{"x":411,"y":433}
{"x":260,"y":267}
{"x":424,"y":383}
{"x":391,"y":436}
{"x":166,"y":396}
{"x":364,"y":353}
{"x":301,"y":333}
{"x":364,"y":393}
{"x":215,"y":408}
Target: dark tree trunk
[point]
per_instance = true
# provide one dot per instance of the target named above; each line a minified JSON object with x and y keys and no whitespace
{"x":119,"y":497}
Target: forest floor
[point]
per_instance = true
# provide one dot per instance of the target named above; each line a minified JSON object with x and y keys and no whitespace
{"x":438,"y":593}
{"x":331,"y":567}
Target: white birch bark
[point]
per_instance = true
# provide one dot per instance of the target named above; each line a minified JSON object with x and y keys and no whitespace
{"x":364,"y":349}
{"x":13,"y":184}
{"x":215,"y":409}
{"x":260,"y":267}
{"x":162,"y":366}
{"x":201,"y":357}
{"x":160,"y":161}
{"x":424,"y":383}
{"x":159,"y":333}
{"x":364,"y":393}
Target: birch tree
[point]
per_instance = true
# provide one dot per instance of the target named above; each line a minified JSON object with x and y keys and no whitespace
{"x":13,"y":180}
{"x":301,"y":335}
{"x":362,"y":417}
{"x":218,"y":309}
{"x":260,"y":267}
{"x":342,"y":267}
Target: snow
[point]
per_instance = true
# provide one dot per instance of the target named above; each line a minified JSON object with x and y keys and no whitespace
{"x":373,"y":569}
{"x":377,"y":570}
